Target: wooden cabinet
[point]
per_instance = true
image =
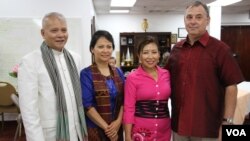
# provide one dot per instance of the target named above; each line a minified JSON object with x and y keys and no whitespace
{"x":128,"y":47}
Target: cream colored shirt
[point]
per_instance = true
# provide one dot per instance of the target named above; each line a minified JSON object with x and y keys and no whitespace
{"x":74,"y":127}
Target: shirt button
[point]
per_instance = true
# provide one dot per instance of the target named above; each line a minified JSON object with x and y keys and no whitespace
{"x":156,"y":85}
{"x":158,"y":93}
{"x":157,"y":101}
{"x":156,"y":108}
{"x":156,"y":124}
{"x":156,"y":116}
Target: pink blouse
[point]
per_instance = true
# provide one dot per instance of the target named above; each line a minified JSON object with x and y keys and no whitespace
{"x":141,"y":86}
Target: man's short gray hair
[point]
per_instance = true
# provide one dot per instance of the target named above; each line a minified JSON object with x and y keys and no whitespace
{"x":199,"y":3}
{"x":52,"y":15}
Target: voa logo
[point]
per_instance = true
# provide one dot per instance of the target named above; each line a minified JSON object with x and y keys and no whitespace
{"x":236,"y":132}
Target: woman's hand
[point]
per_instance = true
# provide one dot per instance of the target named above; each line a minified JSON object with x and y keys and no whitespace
{"x":113,"y":128}
{"x":115,"y":138}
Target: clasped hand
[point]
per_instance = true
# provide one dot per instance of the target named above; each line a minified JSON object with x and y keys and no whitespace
{"x":112,"y":130}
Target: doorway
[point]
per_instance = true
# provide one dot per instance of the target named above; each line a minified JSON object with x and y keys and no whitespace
{"x":237,"y":37}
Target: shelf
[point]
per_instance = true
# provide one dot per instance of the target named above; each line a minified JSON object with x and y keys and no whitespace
{"x":130,"y":40}
{"x":127,"y":68}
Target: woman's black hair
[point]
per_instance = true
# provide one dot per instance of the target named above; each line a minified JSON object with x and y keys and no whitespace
{"x":97,"y":35}
{"x":147,"y":40}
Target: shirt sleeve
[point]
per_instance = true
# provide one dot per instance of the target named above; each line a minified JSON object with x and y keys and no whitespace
{"x":121,"y":74}
{"x":28,"y":99}
{"x":87,"y":88}
{"x":230,"y":72}
{"x":129,"y":100}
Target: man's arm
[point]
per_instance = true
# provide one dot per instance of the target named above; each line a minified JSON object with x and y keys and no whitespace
{"x":230,"y":101}
{"x":28,"y":99}
{"x":230,"y":105}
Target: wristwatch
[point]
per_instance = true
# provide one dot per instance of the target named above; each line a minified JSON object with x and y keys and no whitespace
{"x":228,"y":120}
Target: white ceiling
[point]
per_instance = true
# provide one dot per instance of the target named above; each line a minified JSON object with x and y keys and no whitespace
{"x":167,"y":6}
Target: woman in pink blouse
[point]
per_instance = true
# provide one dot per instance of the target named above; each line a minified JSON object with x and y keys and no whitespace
{"x":147,"y":89}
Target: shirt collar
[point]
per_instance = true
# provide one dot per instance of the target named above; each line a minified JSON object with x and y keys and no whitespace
{"x":141,"y":71}
{"x":203,"y":40}
{"x":57,"y":52}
